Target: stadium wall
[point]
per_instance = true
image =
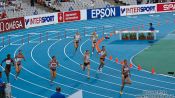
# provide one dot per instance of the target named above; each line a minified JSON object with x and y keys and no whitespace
{"x":7,"y":25}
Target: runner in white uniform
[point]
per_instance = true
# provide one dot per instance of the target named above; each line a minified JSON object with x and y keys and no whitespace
{"x":18,"y":65}
{"x":77,"y":38}
{"x":94,"y":38}
{"x":86,"y":63}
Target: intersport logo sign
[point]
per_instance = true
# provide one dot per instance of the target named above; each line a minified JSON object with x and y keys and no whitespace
{"x":166,"y":7}
{"x":103,"y":12}
{"x":40,"y":20}
{"x":137,"y":9}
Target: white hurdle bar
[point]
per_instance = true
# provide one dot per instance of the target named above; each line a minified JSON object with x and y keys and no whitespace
{"x":65,"y":33}
{"x":56,"y":32}
{"x":137,"y":33}
{"x":40,"y":38}
{"x":89,"y":28}
{"x":107,"y":26}
{"x":13,"y":35}
{"x":2,"y":41}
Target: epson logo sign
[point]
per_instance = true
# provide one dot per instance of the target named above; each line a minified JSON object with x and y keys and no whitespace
{"x":103,"y":13}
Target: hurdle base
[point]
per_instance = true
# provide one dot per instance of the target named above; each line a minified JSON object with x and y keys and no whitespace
{"x":15,"y":44}
{"x":53,"y":39}
{"x":35,"y":42}
{"x":171,"y":73}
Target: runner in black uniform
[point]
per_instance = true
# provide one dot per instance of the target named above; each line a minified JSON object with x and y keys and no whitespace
{"x":9,"y":61}
{"x":102,"y":58}
{"x":125,"y":75}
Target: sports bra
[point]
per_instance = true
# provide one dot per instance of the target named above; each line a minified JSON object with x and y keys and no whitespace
{"x":87,"y":58}
{"x":77,"y":37}
{"x":126,"y":69}
{"x":19,"y":57}
{"x":94,"y":37}
{"x":8,"y":62}
{"x":103,"y":53}
{"x":53,"y":64}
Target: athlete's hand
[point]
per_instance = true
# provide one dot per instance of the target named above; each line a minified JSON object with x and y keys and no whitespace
{"x":58,"y":65}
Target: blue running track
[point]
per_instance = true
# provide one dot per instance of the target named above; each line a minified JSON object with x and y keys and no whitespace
{"x":34,"y":80}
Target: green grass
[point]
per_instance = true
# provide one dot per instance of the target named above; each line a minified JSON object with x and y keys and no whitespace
{"x":160,"y":56}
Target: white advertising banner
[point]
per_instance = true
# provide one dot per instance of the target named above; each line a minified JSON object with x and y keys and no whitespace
{"x":40,"y":20}
{"x":138,"y":9}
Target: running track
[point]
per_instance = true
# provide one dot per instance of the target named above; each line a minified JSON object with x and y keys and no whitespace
{"x":34,"y":78}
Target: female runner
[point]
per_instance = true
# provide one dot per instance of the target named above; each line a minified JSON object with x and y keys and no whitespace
{"x":86,"y":63}
{"x":125,"y":75}
{"x":18,"y":65}
{"x":9,"y":61}
{"x":53,"y":65}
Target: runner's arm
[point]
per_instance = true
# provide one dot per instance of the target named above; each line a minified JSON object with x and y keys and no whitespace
{"x":13,"y":62}
{"x":3,"y":61}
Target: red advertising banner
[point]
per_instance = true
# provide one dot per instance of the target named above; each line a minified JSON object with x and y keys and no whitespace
{"x":60,"y":17}
{"x":166,"y":7}
{"x":12,"y":24}
{"x":69,"y":16}
{"x":72,"y":16}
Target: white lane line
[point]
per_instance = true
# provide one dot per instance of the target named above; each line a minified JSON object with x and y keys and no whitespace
{"x":24,"y":89}
{"x":14,"y":97}
{"x":77,"y":89}
{"x":17,"y":41}
{"x":134,"y":74}
{"x":133,"y":81}
{"x":64,"y":84}
{"x":28,"y":92}
{"x":65,"y":76}
{"x":69,"y":86}
{"x":96,"y":71}
{"x":131,"y":60}
{"x":29,"y":81}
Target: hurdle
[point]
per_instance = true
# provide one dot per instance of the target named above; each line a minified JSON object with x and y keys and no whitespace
{"x":34,"y":34}
{"x":2,"y":42}
{"x":133,"y":16}
{"x":58,"y":36}
{"x":107,"y":27}
{"x":137,"y":33}
{"x":67,"y":30}
{"x":171,"y":73}
{"x":152,"y":15}
{"x":15,"y":36}
{"x":86,"y":28}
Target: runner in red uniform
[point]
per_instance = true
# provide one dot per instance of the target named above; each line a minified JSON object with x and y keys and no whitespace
{"x":125,"y":75}
{"x":52,"y":65}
